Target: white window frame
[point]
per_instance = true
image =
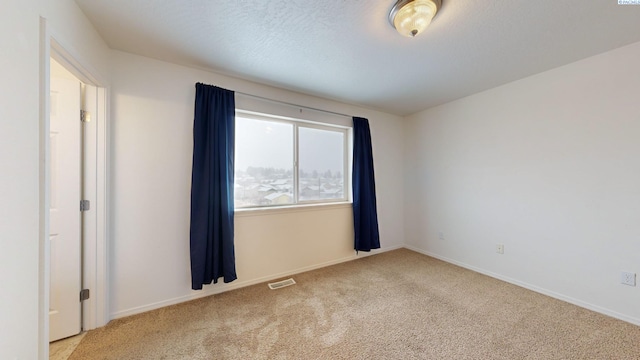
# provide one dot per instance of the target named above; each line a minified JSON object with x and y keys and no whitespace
{"x":296,"y":124}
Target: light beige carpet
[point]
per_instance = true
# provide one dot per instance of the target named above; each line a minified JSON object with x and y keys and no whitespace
{"x":395,"y":305}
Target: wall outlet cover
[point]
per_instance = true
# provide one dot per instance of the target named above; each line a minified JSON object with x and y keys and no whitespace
{"x":628,"y":278}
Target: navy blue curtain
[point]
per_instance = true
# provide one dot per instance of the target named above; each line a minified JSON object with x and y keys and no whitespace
{"x":365,"y":215}
{"x":211,"y":235}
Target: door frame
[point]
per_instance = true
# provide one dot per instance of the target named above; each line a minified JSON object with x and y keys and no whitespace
{"x":95,"y":258}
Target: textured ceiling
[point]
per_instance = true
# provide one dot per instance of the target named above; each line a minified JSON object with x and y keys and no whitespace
{"x":346,"y":49}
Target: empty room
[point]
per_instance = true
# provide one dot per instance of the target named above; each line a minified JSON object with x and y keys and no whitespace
{"x":412,"y":179}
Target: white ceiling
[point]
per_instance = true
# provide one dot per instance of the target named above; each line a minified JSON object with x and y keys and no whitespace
{"x":346,"y":49}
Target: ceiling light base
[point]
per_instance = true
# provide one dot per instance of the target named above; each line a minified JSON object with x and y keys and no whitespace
{"x":411,"y":17}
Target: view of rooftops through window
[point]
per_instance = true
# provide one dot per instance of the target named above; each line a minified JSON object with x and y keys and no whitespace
{"x":265,"y":153}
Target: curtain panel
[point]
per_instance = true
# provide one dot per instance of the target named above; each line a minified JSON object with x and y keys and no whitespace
{"x":212,"y":207}
{"x":365,"y":215}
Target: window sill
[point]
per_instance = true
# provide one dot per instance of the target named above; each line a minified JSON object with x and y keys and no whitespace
{"x":290,"y":209}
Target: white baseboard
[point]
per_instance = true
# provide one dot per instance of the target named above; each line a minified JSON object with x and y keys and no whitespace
{"x":221,"y":287}
{"x":531,"y":287}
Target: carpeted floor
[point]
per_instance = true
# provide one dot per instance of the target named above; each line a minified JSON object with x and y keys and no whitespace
{"x":395,"y":305}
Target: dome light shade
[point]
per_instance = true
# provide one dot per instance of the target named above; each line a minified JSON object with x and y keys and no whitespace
{"x":411,"y":17}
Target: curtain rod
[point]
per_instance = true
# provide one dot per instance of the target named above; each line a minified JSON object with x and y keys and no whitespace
{"x":294,"y":105}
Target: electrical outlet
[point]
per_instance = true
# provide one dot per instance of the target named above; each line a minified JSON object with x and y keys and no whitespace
{"x":628,"y":278}
{"x":500,"y":249}
{"x":441,"y":235}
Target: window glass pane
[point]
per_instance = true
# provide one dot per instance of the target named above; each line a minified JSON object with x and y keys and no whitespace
{"x":263,"y":163}
{"x":321,"y":164}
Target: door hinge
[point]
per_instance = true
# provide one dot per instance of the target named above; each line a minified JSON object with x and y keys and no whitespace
{"x":85,"y":205}
{"x":84,"y":294}
{"x":85,"y":116}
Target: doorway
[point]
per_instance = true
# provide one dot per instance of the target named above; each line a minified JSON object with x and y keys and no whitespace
{"x":94,"y":255}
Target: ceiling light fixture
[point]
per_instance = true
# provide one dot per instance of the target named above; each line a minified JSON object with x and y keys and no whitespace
{"x":411,"y":17}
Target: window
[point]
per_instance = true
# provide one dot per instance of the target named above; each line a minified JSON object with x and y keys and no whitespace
{"x":282,"y":161}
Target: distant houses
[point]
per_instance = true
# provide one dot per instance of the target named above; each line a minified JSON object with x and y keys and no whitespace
{"x":278,"y":199}
{"x":260,"y":191}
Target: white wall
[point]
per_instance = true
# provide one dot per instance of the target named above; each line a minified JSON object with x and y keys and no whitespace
{"x":21,"y":222}
{"x":549,"y":167}
{"x":151,"y":149}
{"x":68,"y":25}
{"x":545,"y":165}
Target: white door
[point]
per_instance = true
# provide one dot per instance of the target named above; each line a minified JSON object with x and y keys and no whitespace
{"x":65,"y":218}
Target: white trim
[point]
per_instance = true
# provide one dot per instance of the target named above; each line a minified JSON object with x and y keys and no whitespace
{"x":102,"y":210}
{"x":220,"y":288}
{"x":295,"y":106}
{"x":272,"y":210}
{"x":257,"y":105}
{"x":89,"y":129}
{"x":73,"y":62}
{"x":94,"y":221}
{"x":262,"y":116}
{"x":553,"y":294}
{"x":44,"y":253}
